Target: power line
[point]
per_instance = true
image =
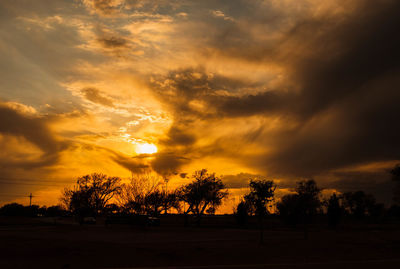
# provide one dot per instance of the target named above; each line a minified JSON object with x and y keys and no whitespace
{"x":34,"y":180}
{"x":33,"y":184}
{"x":12,"y":195}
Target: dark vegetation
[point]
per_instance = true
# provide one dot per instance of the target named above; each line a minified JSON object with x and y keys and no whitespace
{"x":15,"y":209}
{"x":98,"y":195}
{"x":346,"y":229}
{"x":146,"y":199}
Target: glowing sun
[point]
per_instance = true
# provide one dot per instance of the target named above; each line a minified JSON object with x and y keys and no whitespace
{"x":146,"y":148}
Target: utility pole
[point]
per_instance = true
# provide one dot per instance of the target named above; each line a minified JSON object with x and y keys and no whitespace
{"x":30,"y":199}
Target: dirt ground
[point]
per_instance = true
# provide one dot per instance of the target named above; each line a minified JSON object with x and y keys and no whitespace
{"x":121,"y":246}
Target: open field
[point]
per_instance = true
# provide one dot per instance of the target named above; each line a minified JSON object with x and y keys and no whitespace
{"x":120,"y":246}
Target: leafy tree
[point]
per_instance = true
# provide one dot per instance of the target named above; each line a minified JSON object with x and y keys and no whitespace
{"x":259,"y":199}
{"x":303,"y":205}
{"x":377,"y":211}
{"x":91,"y":194}
{"x":55,"y":211}
{"x":335,"y":211}
{"x":309,"y":195}
{"x":289,"y":209}
{"x":13,"y":209}
{"x":396,"y":178}
{"x":243,"y":210}
{"x":393,"y":212}
{"x":396,"y":173}
{"x":206,"y":192}
{"x":358,"y":204}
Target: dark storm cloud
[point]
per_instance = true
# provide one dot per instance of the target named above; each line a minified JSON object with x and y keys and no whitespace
{"x":377,"y":182}
{"x":34,"y":130}
{"x":133,"y":165}
{"x":349,"y":78}
{"x":95,"y":96}
{"x":168,"y":163}
{"x":137,"y":164}
{"x":112,"y":42}
{"x":239,"y":181}
{"x":179,"y":136}
{"x":340,"y":96}
{"x":218,"y":93}
{"x":346,"y":56}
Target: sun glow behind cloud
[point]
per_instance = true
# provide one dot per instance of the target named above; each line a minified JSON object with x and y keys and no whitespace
{"x":146,"y":148}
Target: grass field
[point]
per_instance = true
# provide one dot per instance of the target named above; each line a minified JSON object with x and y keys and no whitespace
{"x":36,"y":245}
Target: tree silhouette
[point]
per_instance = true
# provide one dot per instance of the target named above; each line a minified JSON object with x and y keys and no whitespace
{"x":309,"y":201}
{"x":205,"y":193}
{"x":396,"y":178}
{"x":55,"y":211}
{"x":335,"y":211}
{"x":154,"y":202}
{"x":132,"y":197}
{"x":358,"y":204}
{"x":144,"y":195}
{"x":91,"y":194}
{"x":171,"y":200}
{"x":13,"y":209}
{"x":259,"y":199}
{"x":289,"y":208}
{"x":302,"y":205}
{"x":243,"y":210}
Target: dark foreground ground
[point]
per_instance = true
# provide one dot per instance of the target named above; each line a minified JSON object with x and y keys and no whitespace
{"x":72,"y":246}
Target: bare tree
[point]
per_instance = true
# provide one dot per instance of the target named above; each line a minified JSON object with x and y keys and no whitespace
{"x":144,"y":195}
{"x":133,"y":194}
{"x":154,"y":202}
{"x":91,"y":194}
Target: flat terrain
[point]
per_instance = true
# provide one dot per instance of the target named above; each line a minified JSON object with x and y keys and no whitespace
{"x":121,"y":246}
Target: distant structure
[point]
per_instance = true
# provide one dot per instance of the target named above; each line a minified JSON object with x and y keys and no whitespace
{"x":30,"y":199}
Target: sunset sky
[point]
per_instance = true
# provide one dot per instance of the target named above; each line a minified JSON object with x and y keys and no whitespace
{"x":281,"y":89}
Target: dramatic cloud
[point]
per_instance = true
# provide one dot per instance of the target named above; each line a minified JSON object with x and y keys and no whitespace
{"x":345,"y":81}
{"x":104,"y":7}
{"x":30,"y":129}
{"x":277,"y":89}
{"x":112,"y":42}
{"x":94,"y":95}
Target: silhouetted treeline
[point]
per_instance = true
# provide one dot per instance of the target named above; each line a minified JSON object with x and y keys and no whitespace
{"x":147,"y":195}
{"x":99,"y":195}
{"x":15,"y":209}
